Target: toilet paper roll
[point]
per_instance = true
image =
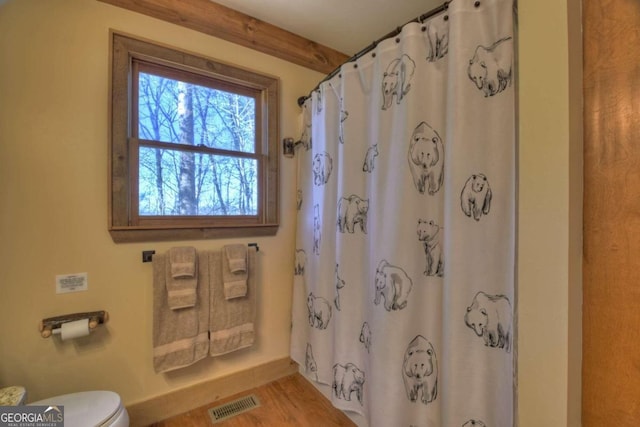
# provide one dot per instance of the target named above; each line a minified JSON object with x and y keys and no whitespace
{"x":75,"y":329}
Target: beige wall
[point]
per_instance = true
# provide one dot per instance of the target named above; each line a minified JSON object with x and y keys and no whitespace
{"x":53,"y":156}
{"x":53,"y":206}
{"x":550,"y":213}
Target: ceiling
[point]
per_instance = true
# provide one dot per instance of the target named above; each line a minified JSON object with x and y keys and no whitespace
{"x":347,"y":26}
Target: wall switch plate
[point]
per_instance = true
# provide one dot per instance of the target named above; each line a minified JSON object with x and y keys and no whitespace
{"x":66,"y":283}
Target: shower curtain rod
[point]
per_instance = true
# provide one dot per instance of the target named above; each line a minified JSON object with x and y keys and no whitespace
{"x":373,"y":45}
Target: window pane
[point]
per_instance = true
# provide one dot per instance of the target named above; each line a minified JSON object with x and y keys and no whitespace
{"x":174,"y":182}
{"x":175,"y":111}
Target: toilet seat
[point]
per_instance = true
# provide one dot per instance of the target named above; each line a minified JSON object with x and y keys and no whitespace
{"x":90,"y":408}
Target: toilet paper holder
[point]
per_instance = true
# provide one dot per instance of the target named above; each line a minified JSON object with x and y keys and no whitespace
{"x":47,"y":325}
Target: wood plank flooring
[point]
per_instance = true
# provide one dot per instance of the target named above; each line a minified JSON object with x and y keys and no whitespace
{"x":290,"y":401}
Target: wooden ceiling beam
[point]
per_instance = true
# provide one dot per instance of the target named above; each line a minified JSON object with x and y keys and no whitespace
{"x":228,"y":24}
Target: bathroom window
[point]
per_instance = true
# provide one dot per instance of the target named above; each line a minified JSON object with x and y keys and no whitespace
{"x":193,"y":146}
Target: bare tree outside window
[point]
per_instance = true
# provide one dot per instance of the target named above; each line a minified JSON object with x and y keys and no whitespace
{"x":185,"y":182}
{"x":202,"y":146}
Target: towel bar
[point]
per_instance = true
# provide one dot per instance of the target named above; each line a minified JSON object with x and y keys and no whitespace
{"x":147,"y":256}
{"x":47,"y":325}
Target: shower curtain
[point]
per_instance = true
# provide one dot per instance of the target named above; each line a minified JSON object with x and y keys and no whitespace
{"x":404,"y":270}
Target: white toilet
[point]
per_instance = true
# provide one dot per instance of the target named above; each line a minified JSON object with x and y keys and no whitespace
{"x":85,"y":409}
{"x":90,"y":408}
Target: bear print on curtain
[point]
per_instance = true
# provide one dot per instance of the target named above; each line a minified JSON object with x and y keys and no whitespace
{"x":404,"y":266}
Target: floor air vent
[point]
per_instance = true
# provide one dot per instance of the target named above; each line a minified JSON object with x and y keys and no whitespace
{"x":231,"y":409}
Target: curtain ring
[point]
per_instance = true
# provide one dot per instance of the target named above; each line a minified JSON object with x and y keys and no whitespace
{"x":477,"y":4}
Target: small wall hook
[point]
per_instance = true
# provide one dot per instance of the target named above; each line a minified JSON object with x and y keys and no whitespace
{"x":289,"y":147}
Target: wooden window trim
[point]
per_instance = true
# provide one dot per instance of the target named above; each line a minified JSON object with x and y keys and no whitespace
{"x":123,"y":226}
